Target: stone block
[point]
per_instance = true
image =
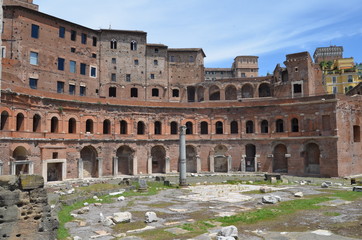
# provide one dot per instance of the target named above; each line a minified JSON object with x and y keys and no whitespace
{"x":8,"y":198}
{"x":9,"y":214}
{"x":230,"y":231}
{"x":357,"y":189}
{"x":151,"y":217}
{"x":122,"y":217}
{"x":9,"y":182}
{"x":30,"y":182}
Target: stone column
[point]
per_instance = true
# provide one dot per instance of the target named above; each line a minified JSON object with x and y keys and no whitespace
{"x":80,"y":168}
{"x":1,"y":167}
{"x":212,"y":163}
{"x":100,"y":166}
{"x":242,"y":167}
{"x":149,"y":165}
{"x":135,"y":166}
{"x":256,"y":162}
{"x":167,"y":164}
{"x":198,"y":164}
{"x":229,"y":163}
{"x":182,"y":156}
{"x":115,"y":166}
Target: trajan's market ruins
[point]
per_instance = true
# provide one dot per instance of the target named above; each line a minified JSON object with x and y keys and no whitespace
{"x":83,"y":103}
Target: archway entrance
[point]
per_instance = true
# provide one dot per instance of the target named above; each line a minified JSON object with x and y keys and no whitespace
{"x":125,"y":160}
{"x":250,"y":150}
{"x":21,"y":164}
{"x":158,"y":154}
{"x":90,"y":164}
{"x":280,"y":162}
{"x":55,"y":171}
{"x":312,"y":155}
{"x":220,"y":159}
{"x":191,"y":160}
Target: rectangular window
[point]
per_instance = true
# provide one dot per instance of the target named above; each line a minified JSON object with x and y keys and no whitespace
{"x":93,"y":72}
{"x":113,"y":77}
{"x":191,"y":59}
{"x":326,"y":122}
{"x":72,"y":49}
{"x":73,"y":35}
{"x":156,"y":50}
{"x":72,"y":66}
{"x":34,"y":58}
{"x":114,"y":60}
{"x":61,"y":64}
{"x":94,"y":55}
{"x":297,"y":88}
{"x":172,"y":58}
{"x":155,"y":62}
{"x":94,"y":41}
{"x":61,"y":32}
{"x":33,"y":83}
{"x":60,"y":87}
{"x":3,"y":52}
{"x":152,"y":76}
{"x":71,"y":89}
{"x":34,"y":31}
{"x":83,"y":67}
{"x":82,"y":91}
{"x":334,"y":90}
{"x":84,"y":38}
{"x":334,"y":79}
{"x":128,"y":77}
{"x":136,"y":62}
{"x":350,"y":78}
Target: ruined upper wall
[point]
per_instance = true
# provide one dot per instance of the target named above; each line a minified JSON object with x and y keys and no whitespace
{"x":23,"y":3}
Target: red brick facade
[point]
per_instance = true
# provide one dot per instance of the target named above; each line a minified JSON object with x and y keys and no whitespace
{"x":80,"y":103}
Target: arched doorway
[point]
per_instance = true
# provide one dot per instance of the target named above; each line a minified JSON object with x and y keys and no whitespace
{"x":231,"y":93}
{"x":21,"y":164}
{"x":280,"y":162}
{"x":247,"y":91}
{"x":158,"y":154}
{"x":264,"y":90}
{"x":214,"y":93}
{"x":191,"y":159}
{"x":90,"y":164}
{"x":4,"y":124}
{"x":125,"y":160}
{"x":312,"y":155}
{"x":250,"y":151}
{"x":220,"y":159}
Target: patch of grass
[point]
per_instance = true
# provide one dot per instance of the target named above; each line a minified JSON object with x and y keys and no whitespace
{"x":253,"y":192}
{"x":268,"y":213}
{"x":161,"y":205}
{"x":347,"y":195}
{"x":331,"y":214}
{"x":156,"y":234}
{"x":124,"y":227}
{"x":98,"y":187}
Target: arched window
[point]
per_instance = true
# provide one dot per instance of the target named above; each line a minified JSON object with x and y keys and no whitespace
{"x":158,"y":128}
{"x":189,"y":127}
{"x":204,"y":128}
{"x":123,"y":129}
{"x":294,"y":125}
{"x":72,"y":126}
{"x":214,"y":93}
{"x":174,"y":128}
{"x":106,"y":126}
{"x":155,"y":92}
{"x":234,"y":127}
{"x":264,"y":126}
{"x":140,"y":128}
{"x":230,"y":93}
{"x":133,"y":45}
{"x":89,"y":126}
{"x":279,"y":125}
{"x":249,"y":127}
{"x":219,"y":128}
{"x":264,"y":90}
{"x":36,"y":123}
{"x":19,"y":122}
{"x":4,"y":120}
{"x":113,"y":44}
{"x":54,"y":125}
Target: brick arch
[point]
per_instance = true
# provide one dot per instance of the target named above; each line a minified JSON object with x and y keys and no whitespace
{"x":184,"y":121}
{"x":161,"y":91}
{"x":280,"y":161}
{"x":231,"y":92}
{"x":221,"y":164}
{"x":140,"y":91}
{"x":125,"y":155}
{"x":214,"y":92}
{"x":191,"y":158}
{"x":94,"y":120}
{"x":264,"y":89}
{"x":158,"y":155}
{"x":89,"y":156}
{"x":5,"y":119}
{"x":247,"y":90}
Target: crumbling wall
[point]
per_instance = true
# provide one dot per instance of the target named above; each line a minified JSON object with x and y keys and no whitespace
{"x":24,"y":209}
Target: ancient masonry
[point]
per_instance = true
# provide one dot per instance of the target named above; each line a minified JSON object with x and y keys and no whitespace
{"x":24,"y":209}
{"x":80,"y":103}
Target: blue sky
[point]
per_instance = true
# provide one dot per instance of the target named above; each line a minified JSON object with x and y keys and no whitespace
{"x":225,"y":29}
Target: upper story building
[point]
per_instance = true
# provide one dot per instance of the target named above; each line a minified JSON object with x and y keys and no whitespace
{"x":242,"y":67}
{"x":327,"y":54}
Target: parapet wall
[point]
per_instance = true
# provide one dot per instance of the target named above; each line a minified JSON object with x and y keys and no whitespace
{"x":24,"y":209}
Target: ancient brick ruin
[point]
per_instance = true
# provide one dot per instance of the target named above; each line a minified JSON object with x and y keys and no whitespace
{"x":24,"y":209}
{"x":79,"y":103}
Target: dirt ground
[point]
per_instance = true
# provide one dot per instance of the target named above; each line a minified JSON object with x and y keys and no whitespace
{"x":206,"y":200}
